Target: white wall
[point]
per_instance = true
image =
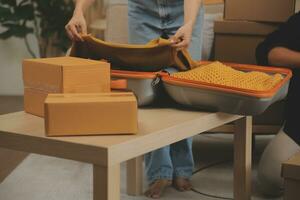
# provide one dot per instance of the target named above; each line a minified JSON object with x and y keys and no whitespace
{"x":12,"y":52}
{"x":297,"y":5}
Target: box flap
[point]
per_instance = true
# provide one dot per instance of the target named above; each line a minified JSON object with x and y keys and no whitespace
{"x":244,"y":27}
{"x":291,"y":168}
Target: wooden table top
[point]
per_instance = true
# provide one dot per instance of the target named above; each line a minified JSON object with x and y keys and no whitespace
{"x":157,"y":128}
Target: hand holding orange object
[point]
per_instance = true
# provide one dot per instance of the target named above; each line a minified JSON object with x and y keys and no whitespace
{"x":76,"y":27}
{"x":182,"y":37}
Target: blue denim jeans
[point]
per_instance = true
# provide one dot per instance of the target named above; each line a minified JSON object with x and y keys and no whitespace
{"x":150,"y":19}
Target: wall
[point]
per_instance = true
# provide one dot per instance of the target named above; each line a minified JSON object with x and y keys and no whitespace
{"x":13,"y":51}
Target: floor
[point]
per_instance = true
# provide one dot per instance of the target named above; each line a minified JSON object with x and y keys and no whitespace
{"x":41,"y":177}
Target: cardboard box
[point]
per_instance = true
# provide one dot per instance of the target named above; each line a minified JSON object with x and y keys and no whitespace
{"x":291,"y":175}
{"x":34,"y":101}
{"x":259,"y":10}
{"x":236,"y":41}
{"x":90,"y":114}
{"x":62,"y":75}
{"x":67,"y":75}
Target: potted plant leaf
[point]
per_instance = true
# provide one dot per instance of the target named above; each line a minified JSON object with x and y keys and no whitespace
{"x":45,"y":19}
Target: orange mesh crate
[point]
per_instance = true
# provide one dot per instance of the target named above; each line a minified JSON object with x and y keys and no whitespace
{"x":229,"y":96}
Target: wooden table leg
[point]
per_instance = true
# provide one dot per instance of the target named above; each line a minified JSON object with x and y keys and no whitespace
{"x":242,"y":158}
{"x":135,"y":176}
{"x":106,"y":182}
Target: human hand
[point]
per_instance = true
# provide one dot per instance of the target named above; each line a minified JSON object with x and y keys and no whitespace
{"x":76,"y":26}
{"x":182,"y":37}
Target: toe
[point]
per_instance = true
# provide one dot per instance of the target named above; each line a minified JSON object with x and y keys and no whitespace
{"x":157,"y":188}
{"x":155,"y":195}
{"x":147,"y":193}
{"x":182,"y":184}
{"x":188,"y":187}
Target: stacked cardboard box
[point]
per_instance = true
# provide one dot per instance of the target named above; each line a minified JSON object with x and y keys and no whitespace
{"x":259,"y":10}
{"x":236,"y":41}
{"x":74,"y":96}
{"x":61,"y":75}
{"x":246,"y":23}
{"x":90,"y":114}
{"x":291,"y":175}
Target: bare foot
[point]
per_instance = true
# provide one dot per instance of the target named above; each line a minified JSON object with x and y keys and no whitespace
{"x":157,"y":187}
{"x":182,"y":184}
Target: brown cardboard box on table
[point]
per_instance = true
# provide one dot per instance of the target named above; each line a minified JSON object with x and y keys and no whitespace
{"x":61,"y":75}
{"x":259,"y":10}
{"x":236,"y":41}
{"x":90,"y":114}
{"x":291,"y":175}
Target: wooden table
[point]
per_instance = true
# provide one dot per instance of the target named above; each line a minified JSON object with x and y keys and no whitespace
{"x":157,"y":128}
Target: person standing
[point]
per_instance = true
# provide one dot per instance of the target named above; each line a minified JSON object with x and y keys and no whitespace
{"x":181,"y":22}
